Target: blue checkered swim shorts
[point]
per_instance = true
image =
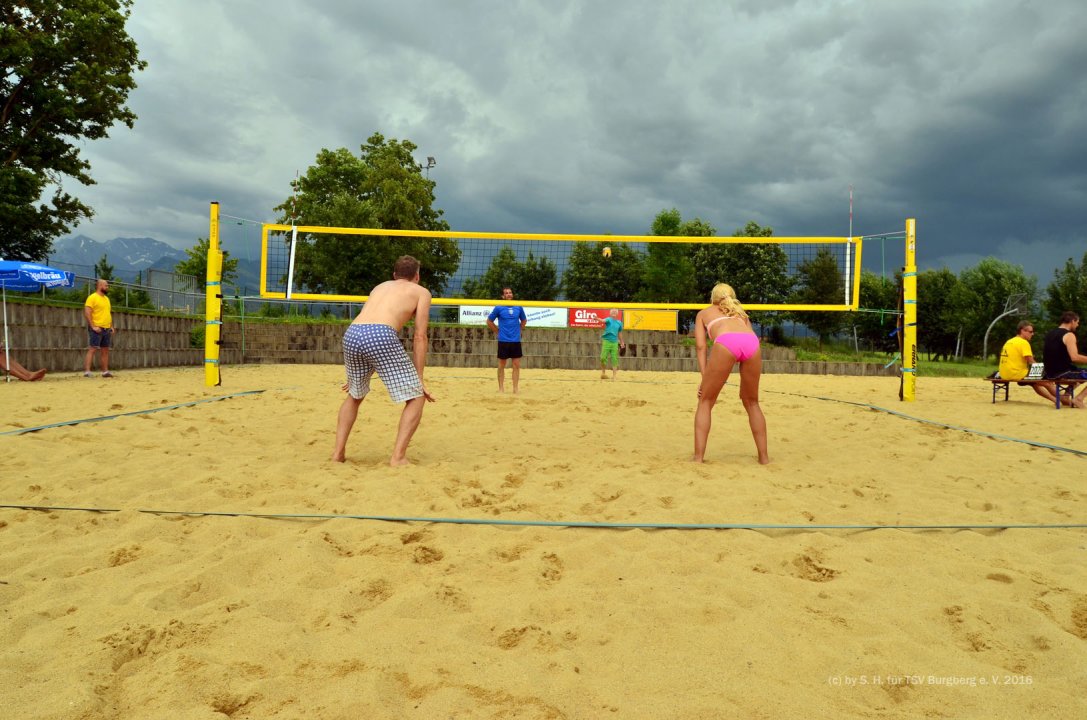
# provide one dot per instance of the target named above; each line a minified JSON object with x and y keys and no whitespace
{"x":367,"y":348}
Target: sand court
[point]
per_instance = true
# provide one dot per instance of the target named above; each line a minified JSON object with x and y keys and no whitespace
{"x":150,"y":612}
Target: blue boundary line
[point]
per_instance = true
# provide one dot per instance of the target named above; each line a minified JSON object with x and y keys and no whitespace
{"x":575,"y":524}
{"x":982,"y":433}
{"x":66,"y":423}
{"x":571,"y":523}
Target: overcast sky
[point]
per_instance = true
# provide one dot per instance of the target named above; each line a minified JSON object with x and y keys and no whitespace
{"x":585,"y":117}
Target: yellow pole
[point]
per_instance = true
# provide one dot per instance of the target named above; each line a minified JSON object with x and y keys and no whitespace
{"x":856,"y":302}
{"x":909,"y":311}
{"x":213,"y":303}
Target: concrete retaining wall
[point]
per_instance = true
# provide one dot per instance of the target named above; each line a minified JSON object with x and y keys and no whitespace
{"x":56,"y":338}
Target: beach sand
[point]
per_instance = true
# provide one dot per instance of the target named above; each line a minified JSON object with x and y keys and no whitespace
{"x":144,"y":613}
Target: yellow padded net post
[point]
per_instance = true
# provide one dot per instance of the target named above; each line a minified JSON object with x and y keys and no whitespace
{"x":909,"y":315}
{"x":213,"y":303}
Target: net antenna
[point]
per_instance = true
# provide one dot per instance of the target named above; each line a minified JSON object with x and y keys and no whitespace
{"x":1016,"y":304}
{"x":847,"y":257}
{"x":294,"y":240}
{"x":290,"y":262}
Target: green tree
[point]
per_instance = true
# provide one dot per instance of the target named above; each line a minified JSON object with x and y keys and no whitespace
{"x":668,"y":274}
{"x":981,"y":295}
{"x":821,"y":283}
{"x":938,"y":319}
{"x":536,"y":279}
{"x":381,"y":188}
{"x":66,"y":69}
{"x":499,"y":274}
{"x":591,"y":277}
{"x":533,"y":279}
{"x":1068,"y":291}
{"x":759,"y":273}
{"x":102,"y":269}
{"x":138,"y":297}
{"x":196,"y":264}
{"x":877,"y":323}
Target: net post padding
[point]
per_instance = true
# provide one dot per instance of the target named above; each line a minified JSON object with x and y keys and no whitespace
{"x":213,"y":303}
{"x":909,"y":311}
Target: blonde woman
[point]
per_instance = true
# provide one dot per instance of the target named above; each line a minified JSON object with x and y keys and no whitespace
{"x":726,"y":325}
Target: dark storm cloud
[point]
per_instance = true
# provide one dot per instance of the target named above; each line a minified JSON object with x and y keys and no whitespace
{"x":595,"y":116}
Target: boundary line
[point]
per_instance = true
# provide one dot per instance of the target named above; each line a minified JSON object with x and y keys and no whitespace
{"x":571,"y":523}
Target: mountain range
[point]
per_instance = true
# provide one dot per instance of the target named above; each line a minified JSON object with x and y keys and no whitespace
{"x":131,"y":257}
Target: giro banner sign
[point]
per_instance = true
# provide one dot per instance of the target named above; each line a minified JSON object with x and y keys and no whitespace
{"x":588,"y":317}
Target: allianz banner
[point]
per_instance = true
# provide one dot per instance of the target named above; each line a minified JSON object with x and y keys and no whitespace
{"x":537,"y":317}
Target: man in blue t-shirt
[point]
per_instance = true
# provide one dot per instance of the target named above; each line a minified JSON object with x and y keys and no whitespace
{"x":511,"y":320}
{"x":611,"y":341}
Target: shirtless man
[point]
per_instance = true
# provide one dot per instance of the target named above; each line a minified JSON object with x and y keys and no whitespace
{"x":372,"y":343}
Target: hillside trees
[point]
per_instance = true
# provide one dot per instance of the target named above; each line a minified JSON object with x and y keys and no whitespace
{"x":820,"y":283}
{"x":196,"y":264}
{"x":758,"y":272}
{"x":592,"y":277}
{"x":981,"y":295}
{"x":879,"y":321}
{"x":66,"y":70}
{"x":533,"y":279}
{"x":381,"y":188}
{"x":668,"y":274}
{"x":1068,"y":291}
{"x":939,"y":318}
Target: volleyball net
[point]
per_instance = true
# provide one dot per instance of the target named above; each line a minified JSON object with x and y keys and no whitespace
{"x":791,"y":274}
{"x":335,"y":264}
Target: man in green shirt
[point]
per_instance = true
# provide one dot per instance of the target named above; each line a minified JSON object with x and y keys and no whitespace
{"x":611,"y":341}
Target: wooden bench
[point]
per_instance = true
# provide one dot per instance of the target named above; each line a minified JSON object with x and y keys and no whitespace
{"x":1066,"y":387}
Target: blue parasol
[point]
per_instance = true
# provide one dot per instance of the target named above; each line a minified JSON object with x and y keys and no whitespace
{"x":27,"y":277}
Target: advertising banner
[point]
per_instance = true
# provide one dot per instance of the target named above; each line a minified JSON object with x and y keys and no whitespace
{"x":537,"y":317}
{"x":589,"y":317}
{"x":651,"y":320}
{"x":475,"y":314}
{"x":546,"y":317}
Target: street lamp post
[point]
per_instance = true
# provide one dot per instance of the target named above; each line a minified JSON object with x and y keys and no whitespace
{"x":430,"y":162}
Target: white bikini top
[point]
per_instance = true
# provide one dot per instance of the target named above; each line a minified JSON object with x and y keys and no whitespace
{"x":711,"y":322}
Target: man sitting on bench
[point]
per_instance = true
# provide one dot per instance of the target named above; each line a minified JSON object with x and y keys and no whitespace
{"x":1016,"y":358}
{"x":1060,"y":351}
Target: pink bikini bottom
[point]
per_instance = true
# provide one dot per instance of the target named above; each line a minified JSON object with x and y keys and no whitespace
{"x":742,"y":345}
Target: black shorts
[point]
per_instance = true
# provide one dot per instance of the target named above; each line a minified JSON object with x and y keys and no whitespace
{"x":101,"y":339}
{"x":509,"y":350}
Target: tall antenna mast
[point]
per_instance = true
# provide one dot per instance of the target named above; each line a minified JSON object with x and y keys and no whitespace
{"x":294,"y":208}
{"x":850,"y":211}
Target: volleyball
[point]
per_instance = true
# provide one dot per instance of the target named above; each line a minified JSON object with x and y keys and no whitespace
{"x":607,"y":251}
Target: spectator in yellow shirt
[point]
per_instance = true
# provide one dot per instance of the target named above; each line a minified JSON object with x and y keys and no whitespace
{"x":99,"y":328}
{"x":1016,"y":358}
